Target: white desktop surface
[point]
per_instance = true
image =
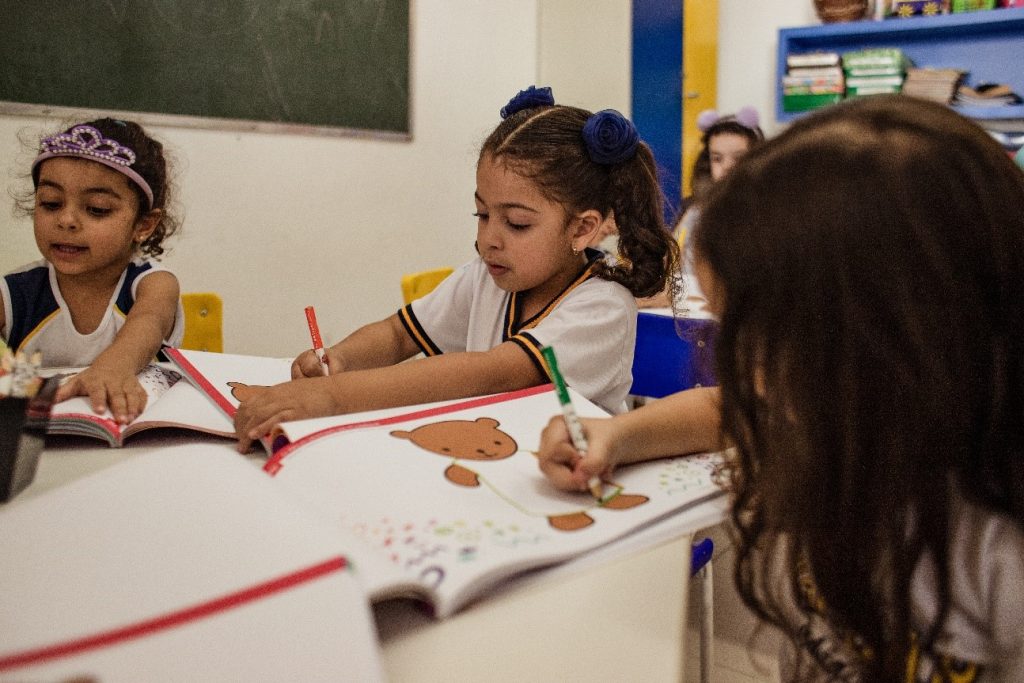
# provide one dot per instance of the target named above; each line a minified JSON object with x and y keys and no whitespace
{"x":615,"y":614}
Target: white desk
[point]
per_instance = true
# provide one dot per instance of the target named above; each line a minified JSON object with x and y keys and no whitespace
{"x":596,"y":619}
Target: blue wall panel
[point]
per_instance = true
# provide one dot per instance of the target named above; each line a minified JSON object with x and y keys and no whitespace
{"x":657,"y":100}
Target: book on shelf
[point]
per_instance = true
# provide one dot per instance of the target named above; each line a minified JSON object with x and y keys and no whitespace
{"x":876,"y":57}
{"x":179,"y":564}
{"x":792,"y":89}
{"x":443,"y":505}
{"x":986,"y":95}
{"x":874,"y":81}
{"x":811,"y":59}
{"x":811,"y":80}
{"x":826,"y":72}
{"x":170,"y":403}
{"x":938,"y":85}
{"x":866,"y":90}
{"x":858,"y":71}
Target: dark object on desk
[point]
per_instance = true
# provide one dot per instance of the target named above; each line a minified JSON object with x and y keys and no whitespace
{"x":22,"y":432}
{"x":672,"y":354}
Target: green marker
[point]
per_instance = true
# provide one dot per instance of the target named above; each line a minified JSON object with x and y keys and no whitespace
{"x":572,"y":421}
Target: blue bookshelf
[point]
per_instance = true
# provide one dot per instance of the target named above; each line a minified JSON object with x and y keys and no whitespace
{"x":988,"y":44}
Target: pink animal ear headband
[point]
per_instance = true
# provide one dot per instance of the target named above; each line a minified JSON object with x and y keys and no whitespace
{"x":746,"y":117}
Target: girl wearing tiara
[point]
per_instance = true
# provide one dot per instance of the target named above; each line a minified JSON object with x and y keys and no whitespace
{"x":549,"y":178}
{"x":724,"y":142}
{"x":98,"y":210}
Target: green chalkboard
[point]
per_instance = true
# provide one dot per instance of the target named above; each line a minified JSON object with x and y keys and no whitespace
{"x":320,"y":63}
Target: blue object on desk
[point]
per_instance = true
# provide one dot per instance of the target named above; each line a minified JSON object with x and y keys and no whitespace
{"x":672,"y":354}
{"x":700,"y":555}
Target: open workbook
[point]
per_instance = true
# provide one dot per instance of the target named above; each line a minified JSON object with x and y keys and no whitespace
{"x":442,"y":504}
{"x":170,"y":402}
{"x":448,"y":501}
{"x":181,"y":564}
{"x":225,"y":379}
{"x":444,"y":500}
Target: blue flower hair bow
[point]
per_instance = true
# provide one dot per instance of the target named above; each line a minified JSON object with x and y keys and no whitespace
{"x":610,"y":137}
{"x":527,"y":99}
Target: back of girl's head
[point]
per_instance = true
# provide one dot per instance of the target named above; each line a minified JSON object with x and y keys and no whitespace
{"x":547,"y":144}
{"x":871,"y":350}
{"x":151,"y":164}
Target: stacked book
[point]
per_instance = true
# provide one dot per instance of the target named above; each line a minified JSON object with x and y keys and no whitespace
{"x":812,"y":80}
{"x":874,"y":71}
{"x":986,"y":95}
{"x":938,"y":85}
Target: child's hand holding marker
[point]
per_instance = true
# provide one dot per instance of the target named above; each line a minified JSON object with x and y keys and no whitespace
{"x":573,"y":425}
{"x":318,"y":365}
{"x":565,"y":466}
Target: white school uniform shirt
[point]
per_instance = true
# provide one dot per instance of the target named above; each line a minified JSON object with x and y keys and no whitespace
{"x":691,"y":301}
{"x":37,"y":317}
{"x":983,"y":635}
{"x":591,"y":325}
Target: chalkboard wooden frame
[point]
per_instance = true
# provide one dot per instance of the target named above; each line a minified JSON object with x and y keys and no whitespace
{"x":334,"y":67}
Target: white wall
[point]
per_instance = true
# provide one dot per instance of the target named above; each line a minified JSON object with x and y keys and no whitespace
{"x":276,"y":222}
{"x":747,"y":41}
{"x":585,"y":52}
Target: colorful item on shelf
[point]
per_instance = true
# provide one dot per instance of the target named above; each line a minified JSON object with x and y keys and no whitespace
{"x":812,"y":80}
{"x":841,"y":10}
{"x":909,"y":8}
{"x":971,"y":5}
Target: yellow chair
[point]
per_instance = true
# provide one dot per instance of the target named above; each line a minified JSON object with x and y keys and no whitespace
{"x":415,"y":285}
{"x":204,"y":316}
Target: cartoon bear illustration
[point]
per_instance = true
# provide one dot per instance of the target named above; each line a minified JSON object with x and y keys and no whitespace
{"x":481,"y":440}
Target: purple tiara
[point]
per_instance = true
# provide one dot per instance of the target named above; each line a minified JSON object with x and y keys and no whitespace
{"x":86,"y":141}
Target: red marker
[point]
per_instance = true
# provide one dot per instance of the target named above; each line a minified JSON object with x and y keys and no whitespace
{"x":314,"y":333}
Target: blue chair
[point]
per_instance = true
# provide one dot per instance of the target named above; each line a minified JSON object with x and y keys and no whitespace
{"x":672,"y":354}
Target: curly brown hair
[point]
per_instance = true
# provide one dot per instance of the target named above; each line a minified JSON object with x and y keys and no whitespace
{"x":545,"y":144}
{"x":150,"y":163}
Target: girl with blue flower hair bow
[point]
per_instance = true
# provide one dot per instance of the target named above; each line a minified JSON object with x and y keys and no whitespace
{"x":549,"y":178}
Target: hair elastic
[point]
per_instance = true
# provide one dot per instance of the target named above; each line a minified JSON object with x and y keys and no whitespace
{"x":527,"y":99}
{"x":610,"y":137}
{"x":86,"y":141}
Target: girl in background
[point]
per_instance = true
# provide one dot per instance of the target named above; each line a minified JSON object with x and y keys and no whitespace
{"x":549,"y":179}
{"x":99,"y":211}
{"x":871,"y":365}
{"x":725,"y":140}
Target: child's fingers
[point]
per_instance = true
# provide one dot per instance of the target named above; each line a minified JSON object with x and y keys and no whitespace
{"x":307,"y":365}
{"x":68,"y":389}
{"x":135,"y":400}
{"x":334,"y":364}
{"x":98,"y":398}
{"x":557,"y":458}
{"x":559,"y":466}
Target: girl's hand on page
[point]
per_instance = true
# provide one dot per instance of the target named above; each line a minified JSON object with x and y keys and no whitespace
{"x":107,"y":388}
{"x":266,"y":407}
{"x":563,"y":465}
